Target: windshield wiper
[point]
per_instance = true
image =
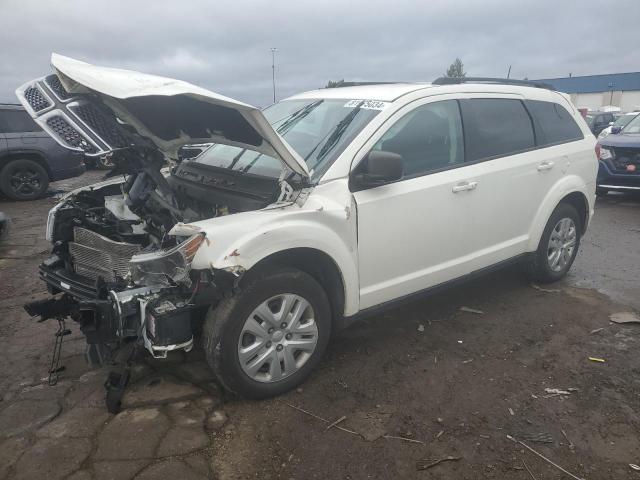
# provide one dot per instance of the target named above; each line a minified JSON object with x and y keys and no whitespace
{"x":296,"y":116}
{"x":334,"y":136}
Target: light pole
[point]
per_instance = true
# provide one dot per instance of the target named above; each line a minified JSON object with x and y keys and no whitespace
{"x":273,"y":71}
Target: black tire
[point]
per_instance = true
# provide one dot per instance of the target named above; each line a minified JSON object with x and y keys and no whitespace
{"x":537,"y":266}
{"x":224,"y":323}
{"x":23,"y":179}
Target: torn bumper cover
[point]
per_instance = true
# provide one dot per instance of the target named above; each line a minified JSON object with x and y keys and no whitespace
{"x":159,"y":316}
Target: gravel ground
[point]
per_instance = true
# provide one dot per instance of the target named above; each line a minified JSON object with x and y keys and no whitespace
{"x":418,"y":384}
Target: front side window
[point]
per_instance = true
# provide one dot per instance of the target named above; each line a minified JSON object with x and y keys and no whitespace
{"x":428,"y":138}
{"x":17,"y":121}
{"x":556,"y":123}
{"x":495,"y":127}
{"x":317,"y":129}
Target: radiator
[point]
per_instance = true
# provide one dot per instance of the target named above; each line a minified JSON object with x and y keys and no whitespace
{"x":96,"y":256}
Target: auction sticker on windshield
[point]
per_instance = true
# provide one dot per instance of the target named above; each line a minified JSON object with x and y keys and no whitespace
{"x":367,"y":104}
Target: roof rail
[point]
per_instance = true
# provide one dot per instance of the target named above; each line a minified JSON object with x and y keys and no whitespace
{"x":501,"y":81}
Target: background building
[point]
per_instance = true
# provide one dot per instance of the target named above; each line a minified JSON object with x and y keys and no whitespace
{"x":596,"y":91}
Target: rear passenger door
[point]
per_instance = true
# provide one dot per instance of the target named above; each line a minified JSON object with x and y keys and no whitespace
{"x":500,"y":148}
{"x":3,"y":140}
{"x":20,"y":129}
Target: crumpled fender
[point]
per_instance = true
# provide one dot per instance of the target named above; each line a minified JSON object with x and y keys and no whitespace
{"x":326,"y":222}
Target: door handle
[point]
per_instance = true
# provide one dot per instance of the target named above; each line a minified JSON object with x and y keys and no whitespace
{"x":462,"y":186}
{"x":545,"y":166}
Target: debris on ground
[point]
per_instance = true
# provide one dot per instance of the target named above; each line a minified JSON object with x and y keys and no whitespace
{"x":323,"y":420}
{"x":529,"y":471}
{"x":546,"y":290}
{"x":511,"y":411}
{"x":634,"y":467}
{"x":565,"y":436}
{"x":394,"y":437}
{"x":467,"y":361}
{"x":597,"y":330}
{"x":624,"y":317}
{"x":554,"y":392}
{"x":541,"y":437}
{"x":430,"y":462}
{"x":421,"y":328}
{"x":333,"y":424}
{"x":543,"y":457}
{"x":471,"y":310}
{"x":597,"y":359}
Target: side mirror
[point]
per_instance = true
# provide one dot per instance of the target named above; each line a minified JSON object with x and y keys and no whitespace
{"x":616,"y":130}
{"x":379,"y":167}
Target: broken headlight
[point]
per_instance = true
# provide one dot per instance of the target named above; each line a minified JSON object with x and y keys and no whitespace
{"x":166,"y":267}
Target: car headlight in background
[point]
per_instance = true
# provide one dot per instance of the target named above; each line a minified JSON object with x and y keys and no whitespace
{"x":166,"y":267}
{"x":605,"y":153}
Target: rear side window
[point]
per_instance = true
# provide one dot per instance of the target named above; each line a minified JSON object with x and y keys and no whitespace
{"x":495,"y":127}
{"x":17,"y":121}
{"x":555,"y":122}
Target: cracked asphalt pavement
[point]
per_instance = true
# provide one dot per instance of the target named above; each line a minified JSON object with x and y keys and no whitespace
{"x":416,"y":384}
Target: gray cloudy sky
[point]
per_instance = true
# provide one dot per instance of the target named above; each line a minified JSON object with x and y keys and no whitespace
{"x":224,"y":45}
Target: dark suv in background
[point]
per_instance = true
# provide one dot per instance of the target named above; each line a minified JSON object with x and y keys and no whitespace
{"x":598,"y":121}
{"x":30,"y":158}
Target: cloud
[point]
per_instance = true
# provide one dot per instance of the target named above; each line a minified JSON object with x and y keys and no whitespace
{"x":225,"y":45}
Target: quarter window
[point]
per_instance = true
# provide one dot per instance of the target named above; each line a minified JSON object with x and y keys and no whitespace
{"x":495,"y":127}
{"x":428,"y":138}
{"x":556,"y":123}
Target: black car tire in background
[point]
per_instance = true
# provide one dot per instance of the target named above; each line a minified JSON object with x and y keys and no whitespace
{"x":23,"y":179}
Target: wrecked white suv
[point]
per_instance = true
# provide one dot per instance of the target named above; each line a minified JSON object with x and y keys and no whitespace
{"x":322,"y":208}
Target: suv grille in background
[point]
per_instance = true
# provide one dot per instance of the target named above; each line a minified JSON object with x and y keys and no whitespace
{"x":36,"y":99}
{"x":54,"y":84}
{"x":69,"y":134}
{"x":96,"y":256}
{"x":623,"y":157}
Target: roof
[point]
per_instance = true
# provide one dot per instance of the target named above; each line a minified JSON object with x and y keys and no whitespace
{"x":595,"y":83}
{"x":386,"y":92}
{"x":389,"y":92}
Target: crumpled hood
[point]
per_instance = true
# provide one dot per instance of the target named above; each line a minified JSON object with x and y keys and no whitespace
{"x":84,"y":106}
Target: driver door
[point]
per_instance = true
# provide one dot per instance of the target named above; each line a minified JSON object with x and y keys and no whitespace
{"x":413,"y":233}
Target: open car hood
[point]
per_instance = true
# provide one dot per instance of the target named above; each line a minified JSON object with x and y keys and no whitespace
{"x":98,"y":110}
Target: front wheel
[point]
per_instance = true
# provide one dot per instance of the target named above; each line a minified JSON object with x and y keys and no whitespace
{"x":268,"y":338}
{"x":558,"y":246}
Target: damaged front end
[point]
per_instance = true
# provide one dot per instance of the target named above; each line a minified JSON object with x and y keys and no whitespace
{"x":121,"y":262}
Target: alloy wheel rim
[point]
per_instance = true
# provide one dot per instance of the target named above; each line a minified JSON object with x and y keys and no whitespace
{"x":562,"y":243}
{"x":278,"y":338}
{"x":25,"y":181}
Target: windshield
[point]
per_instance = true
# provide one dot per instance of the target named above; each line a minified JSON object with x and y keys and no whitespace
{"x":318,"y":130}
{"x":633,"y":126}
{"x":624,"y":120}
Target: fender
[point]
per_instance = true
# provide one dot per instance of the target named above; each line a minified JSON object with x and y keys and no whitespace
{"x":238,"y":242}
{"x":564,"y":186}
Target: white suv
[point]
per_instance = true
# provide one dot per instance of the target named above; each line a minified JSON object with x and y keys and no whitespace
{"x":298,"y":219}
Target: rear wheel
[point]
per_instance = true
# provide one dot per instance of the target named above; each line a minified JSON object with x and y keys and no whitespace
{"x":268,"y":338}
{"x":558,"y":246}
{"x":23,"y":179}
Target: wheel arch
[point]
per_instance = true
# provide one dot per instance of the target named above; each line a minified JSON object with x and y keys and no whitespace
{"x":316,"y":263}
{"x":26,"y":155}
{"x":571,"y":190}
